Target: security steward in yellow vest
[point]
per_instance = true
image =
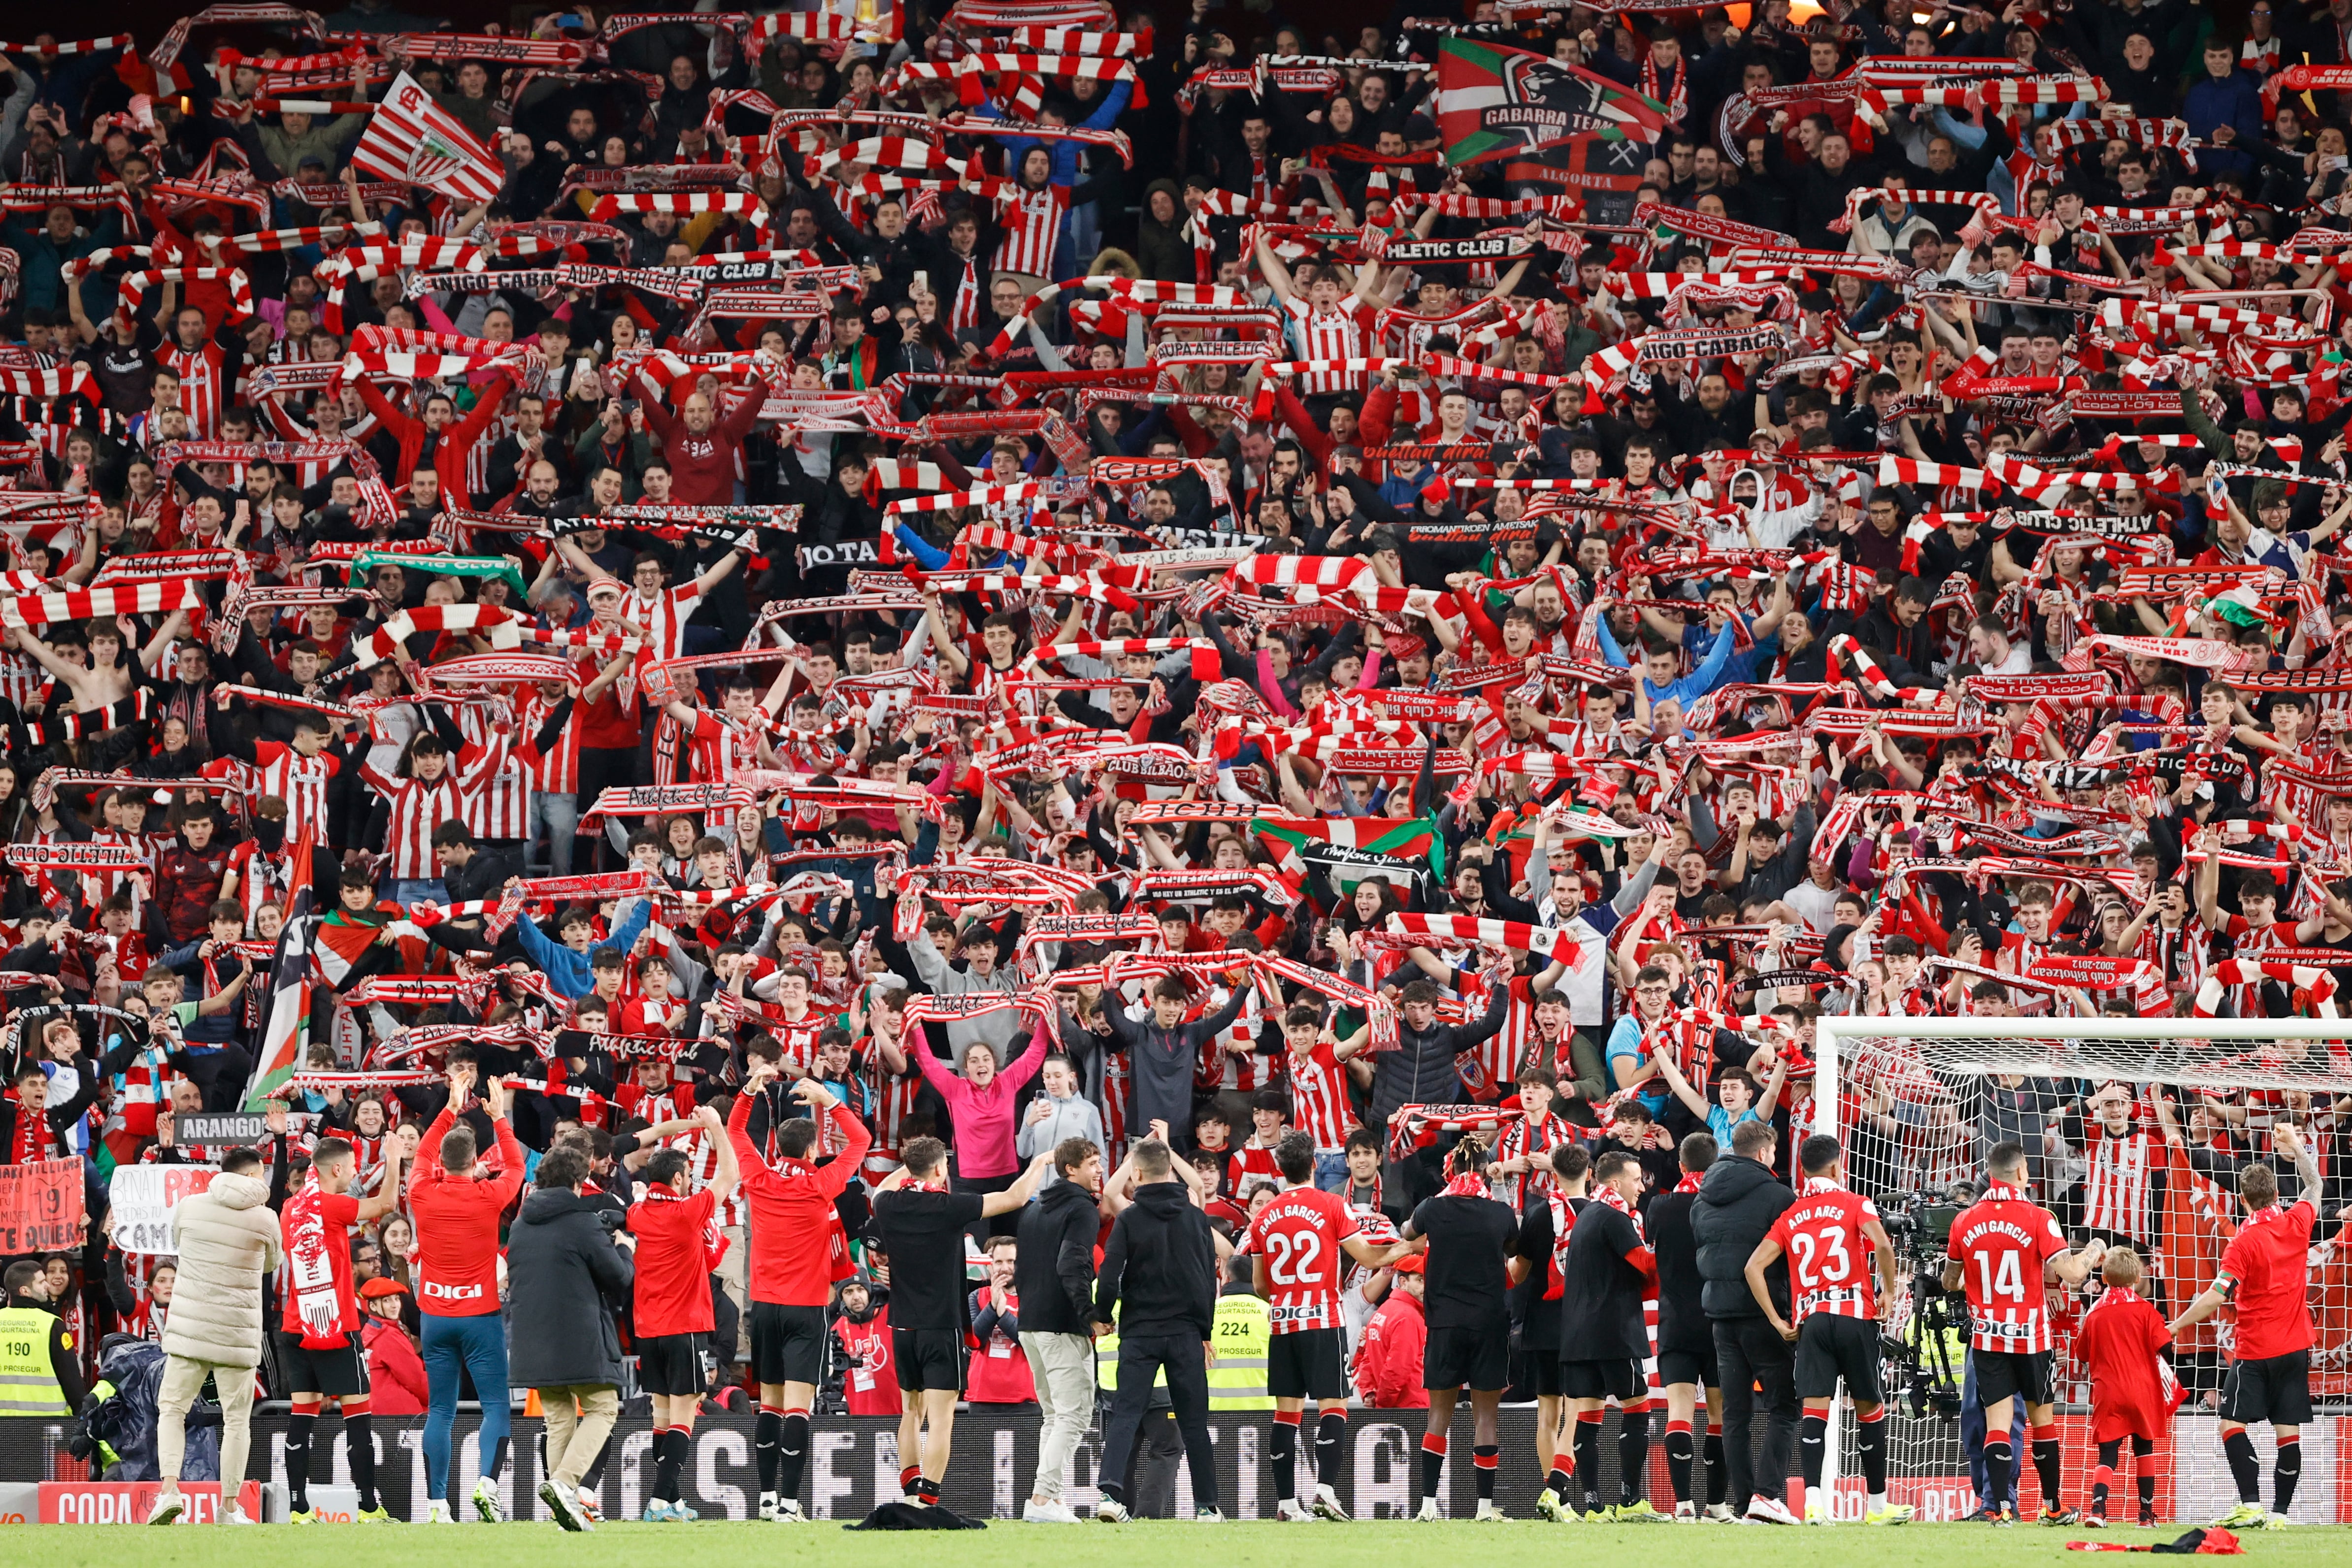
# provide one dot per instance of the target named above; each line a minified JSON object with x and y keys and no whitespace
{"x":38,"y":1374}
{"x":1244,"y":1331}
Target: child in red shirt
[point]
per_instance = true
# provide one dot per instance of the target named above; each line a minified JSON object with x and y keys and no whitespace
{"x":2119,"y":1341}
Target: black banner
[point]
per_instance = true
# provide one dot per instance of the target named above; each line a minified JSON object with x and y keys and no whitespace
{"x":842,"y":553}
{"x":222,"y":1128}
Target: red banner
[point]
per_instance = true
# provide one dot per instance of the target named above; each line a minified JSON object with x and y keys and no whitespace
{"x":41,"y":1208}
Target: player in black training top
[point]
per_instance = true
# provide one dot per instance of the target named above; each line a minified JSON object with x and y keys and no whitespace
{"x":1608,"y":1263}
{"x":1466,"y":1295}
{"x":1686,"y":1336}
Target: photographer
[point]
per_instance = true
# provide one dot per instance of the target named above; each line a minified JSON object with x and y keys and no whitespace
{"x":569,"y":1272}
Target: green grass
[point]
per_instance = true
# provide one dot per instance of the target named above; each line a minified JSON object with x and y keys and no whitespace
{"x":1009,"y":1545}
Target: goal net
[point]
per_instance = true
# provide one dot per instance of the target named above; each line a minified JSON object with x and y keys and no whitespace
{"x":2134,"y":1129}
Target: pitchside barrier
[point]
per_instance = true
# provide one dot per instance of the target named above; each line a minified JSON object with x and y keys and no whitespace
{"x":853,"y":1462}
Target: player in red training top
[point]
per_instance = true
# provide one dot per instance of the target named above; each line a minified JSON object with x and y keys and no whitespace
{"x":317,"y":1338}
{"x":1833,"y":1239}
{"x":2264,"y":1272}
{"x":2005,"y":1246}
{"x":456,"y":1203}
{"x":791,"y":1230}
{"x":1294,"y":1245}
{"x":2120,"y":1339}
{"x":679,"y":1245}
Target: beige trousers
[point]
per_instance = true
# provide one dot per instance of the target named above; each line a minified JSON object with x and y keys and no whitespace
{"x":574,"y":1441}
{"x":182,"y":1380}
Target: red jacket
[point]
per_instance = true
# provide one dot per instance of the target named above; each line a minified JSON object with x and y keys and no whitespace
{"x":457,"y":440}
{"x":792,"y":1207}
{"x":1388,"y":1361}
{"x":395,"y":1372}
{"x":702,"y":468}
{"x":456,"y":1260}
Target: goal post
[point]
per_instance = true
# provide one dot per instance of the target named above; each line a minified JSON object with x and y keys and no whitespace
{"x":1915,"y":1102}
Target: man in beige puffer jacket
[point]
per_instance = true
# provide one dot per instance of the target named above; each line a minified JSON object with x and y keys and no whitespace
{"x":227,"y":1239}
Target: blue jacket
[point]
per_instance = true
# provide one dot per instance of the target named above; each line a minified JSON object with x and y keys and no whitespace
{"x":1065,"y":153}
{"x":2235,"y":102}
{"x":1691,"y":687}
{"x":570,"y":970}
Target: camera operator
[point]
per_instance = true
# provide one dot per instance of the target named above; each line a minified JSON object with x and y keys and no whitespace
{"x":571,"y":1270}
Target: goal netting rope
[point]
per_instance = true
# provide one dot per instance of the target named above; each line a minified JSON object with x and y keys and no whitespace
{"x":2174,"y":1105}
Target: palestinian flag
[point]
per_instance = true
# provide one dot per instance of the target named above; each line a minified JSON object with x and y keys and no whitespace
{"x":1585,"y":164}
{"x":285,"y":1021}
{"x":1497,"y":102}
{"x":1401,"y":838}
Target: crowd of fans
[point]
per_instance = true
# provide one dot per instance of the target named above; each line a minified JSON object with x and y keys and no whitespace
{"x":943,"y":554}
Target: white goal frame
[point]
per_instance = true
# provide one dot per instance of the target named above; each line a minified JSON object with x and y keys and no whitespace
{"x":2043,"y":1045}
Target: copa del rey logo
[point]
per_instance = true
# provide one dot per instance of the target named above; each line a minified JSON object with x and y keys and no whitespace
{"x":129,"y":1503}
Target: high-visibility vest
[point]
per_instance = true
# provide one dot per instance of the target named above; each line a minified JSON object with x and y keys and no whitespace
{"x":28,"y":1384}
{"x":1242,"y":1334}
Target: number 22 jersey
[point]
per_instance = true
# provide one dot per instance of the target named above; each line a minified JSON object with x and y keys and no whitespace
{"x":1299,"y":1235}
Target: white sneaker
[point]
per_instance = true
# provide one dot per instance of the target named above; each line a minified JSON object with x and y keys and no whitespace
{"x":1490,"y":1512}
{"x":1685,"y":1513}
{"x":438,"y":1512}
{"x":563,"y":1505}
{"x":1289,"y":1508}
{"x":768,"y":1507}
{"x":169,"y":1506}
{"x":1326,"y":1505}
{"x":1208,"y":1516}
{"x":1762,"y":1510}
{"x":1428,"y":1514}
{"x":591,"y":1507}
{"x":235,"y":1514}
{"x":487,"y":1507}
{"x":788,"y":1511}
{"x":1720,"y":1513}
{"x":1037,"y":1512}
{"x":1109,"y":1512}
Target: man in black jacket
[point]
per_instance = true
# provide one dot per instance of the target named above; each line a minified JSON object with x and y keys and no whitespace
{"x":1738,"y":1202}
{"x":569,"y":1274}
{"x":1054,"y":1277}
{"x":1419,"y":1071}
{"x":1160,"y":1259}
{"x":1686,"y":1364}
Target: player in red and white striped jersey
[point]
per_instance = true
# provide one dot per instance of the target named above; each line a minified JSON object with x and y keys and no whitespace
{"x":2121,"y":1154}
{"x":207,"y":367}
{"x":1032,"y":211}
{"x":2004,"y":1249}
{"x":1295,"y":1244}
{"x":1325,"y":324}
{"x":1319,"y":1089}
{"x":430,"y":788}
{"x":1834,"y":1240}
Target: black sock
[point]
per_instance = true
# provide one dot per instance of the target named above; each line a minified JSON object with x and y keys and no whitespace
{"x":1586,"y":1450}
{"x":1486,"y":1458}
{"x":665,"y":1465}
{"x":1870,"y":1446}
{"x":1282,"y":1450}
{"x":1433,"y":1462}
{"x":499,"y":1459}
{"x":2001,"y":1462}
{"x":298,"y":1462}
{"x":2102,"y":1479}
{"x":359,"y":1442}
{"x":1812,"y":1447}
{"x":2285,"y":1470}
{"x":1718,"y":1473}
{"x":1680,"y":1452}
{"x":1561,"y":1479}
{"x":593,"y":1478}
{"x":767,"y":1437}
{"x":1330,"y":1446}
{"x":791,"y":1454}
{"x":2046,"y":1455}
{"x":1633,"y":1457}
{"x":2244,"y":1468}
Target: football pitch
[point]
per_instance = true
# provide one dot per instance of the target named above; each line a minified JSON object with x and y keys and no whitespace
{"x":1013,"y":1545}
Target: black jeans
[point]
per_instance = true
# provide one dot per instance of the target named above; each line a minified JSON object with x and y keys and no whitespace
{"x":1140,"y":1358}
{"x":1749,"y":1353}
